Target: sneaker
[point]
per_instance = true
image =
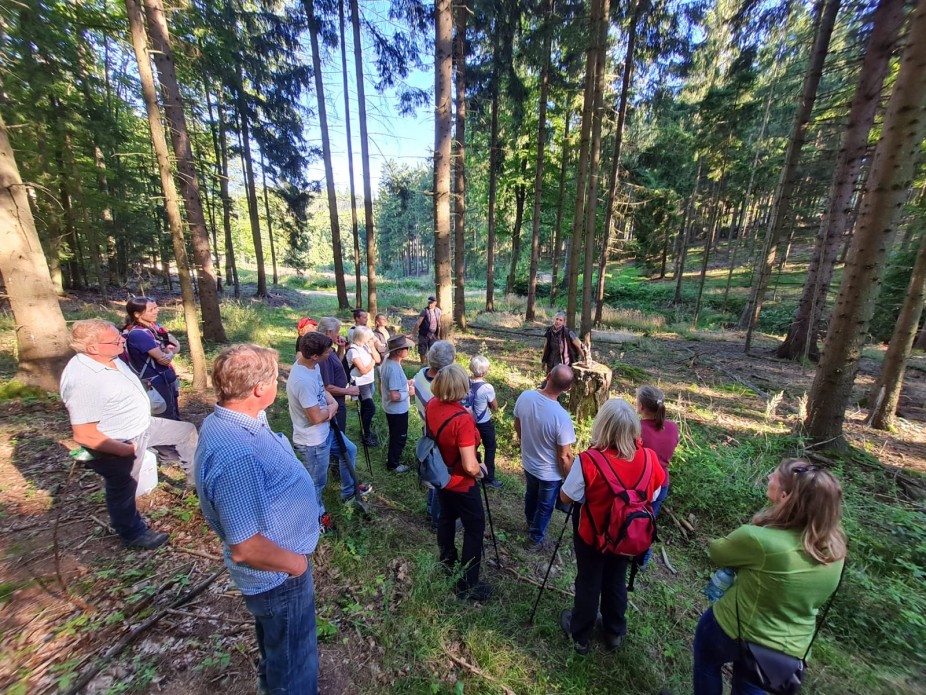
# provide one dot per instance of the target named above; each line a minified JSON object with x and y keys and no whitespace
{"x":149,"y":540}
{"x":495,"y":484}
{"x":480,"y":592}
{"x":371,"y":440}
{"x":539,"y":547}
{"x":565,"y":622}
{"x":401,"y":468}
{"x":325,"y":524}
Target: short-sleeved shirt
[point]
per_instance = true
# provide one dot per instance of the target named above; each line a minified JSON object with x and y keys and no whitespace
{"x":459,"y":432}
{"x":422,"y":390}
{"x":333,"y":374}
{"x":545,"y":424}
{"x":139,"y":341}
{"x":485,"y":394}
{"x":392,"y":378}
{"x":357,"y":352}
{"x":663,"y":441}
{"x":430,"y":321}
{"x":629,"y":472}
{"x":304,"y":389}
{"x":249,"y":481}
{"x":779,"y":587}
{"x":112,"y":397}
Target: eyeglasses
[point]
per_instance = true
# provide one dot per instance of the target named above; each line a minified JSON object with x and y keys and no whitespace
{"x":118,"y":342}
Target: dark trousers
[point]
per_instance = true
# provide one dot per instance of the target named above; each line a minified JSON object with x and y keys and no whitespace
{"x":120,"y":486}
{"x":367,"y":412}
{"x":466,"y":506}
{"x":600,"y":577}
{"x":284,"y":619}
{"x":398,"y":433}
{"x":712,"y":649}
{"x":487,"y":433}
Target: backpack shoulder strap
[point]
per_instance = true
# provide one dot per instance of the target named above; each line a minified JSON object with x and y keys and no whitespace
{"x":606,"y":470}
{"x":445,"y":423}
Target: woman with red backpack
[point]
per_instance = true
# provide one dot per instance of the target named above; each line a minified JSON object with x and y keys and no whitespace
{"x":613,"y":484}
{"x":149,"y":350}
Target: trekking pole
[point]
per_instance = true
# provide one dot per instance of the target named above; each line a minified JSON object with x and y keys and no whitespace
{"x":485,"y":494}
{"x":363,"y":439}
{"x":358,"y":499}
{"x":550,"y":566}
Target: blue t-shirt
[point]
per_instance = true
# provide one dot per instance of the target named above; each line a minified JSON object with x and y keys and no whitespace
{"x":392,"y":378}
{"x":138,"y":341}
{"x":249,"y":481}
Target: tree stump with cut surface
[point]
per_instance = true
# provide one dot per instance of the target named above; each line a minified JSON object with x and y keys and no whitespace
{"x":589,"y":390}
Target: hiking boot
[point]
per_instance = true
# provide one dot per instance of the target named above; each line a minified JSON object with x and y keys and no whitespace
{"x":325,"y":524}
{"x":479,"y":592}
{"x":565,"y":622}
{"x":401,"y":468}
{"x":495,"y":484}
{"x":539,"y":547}
{"x":149,"y":540}
{"x":371,"y":440}
{"x":612,"y":642}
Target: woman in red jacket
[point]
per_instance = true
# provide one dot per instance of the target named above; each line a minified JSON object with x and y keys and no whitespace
{"x":454,"y":430}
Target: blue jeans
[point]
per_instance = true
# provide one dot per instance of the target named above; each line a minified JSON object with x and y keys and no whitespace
{"x":539,"y":501}
{"x":433,"y":502}
{"x":712,"y":649}
{"x":284,"y":619}
{"x":315,"y":459}
{"x":657,"y":505}
{"x":350,"y":449}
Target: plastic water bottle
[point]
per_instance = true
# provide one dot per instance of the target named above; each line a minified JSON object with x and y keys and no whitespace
{"x":720,"y":581}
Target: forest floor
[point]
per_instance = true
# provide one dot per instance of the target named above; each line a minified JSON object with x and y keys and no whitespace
{"x":387,"y":619}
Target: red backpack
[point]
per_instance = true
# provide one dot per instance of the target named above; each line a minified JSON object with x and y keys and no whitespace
{"x":622,"y":522}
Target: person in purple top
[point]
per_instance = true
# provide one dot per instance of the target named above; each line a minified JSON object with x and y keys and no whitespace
{"x":151,"y":349}
{"x":657,"y":433}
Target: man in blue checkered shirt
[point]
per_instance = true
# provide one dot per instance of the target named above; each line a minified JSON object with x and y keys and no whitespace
{"x":260,"y":500}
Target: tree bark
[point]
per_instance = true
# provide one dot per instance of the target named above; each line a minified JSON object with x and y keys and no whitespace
{"x":365,"y":161}
{"x":171,"y":203}
{"x":314,"y":28}
{"x":266,"y":197}
{"x":493,"y":172}
{"x":639,"y":8}
{"x":684,"y":236}
{"x":41,"y":334}
{"x":826,"y":19}
{"x":231,"y":268}
{"x":459,"y":167}
{"x":358,"y":288}
{"x":578,"y":216}
{"x":538,"y":174}
{"x":801,"y":340}
{"x":709,"y":243}
{"x":557,"y":232}
{"x":888,"y":184}
{"x":443,"y":69}
{"x":520,"y":198}
{"x":188,"y":178}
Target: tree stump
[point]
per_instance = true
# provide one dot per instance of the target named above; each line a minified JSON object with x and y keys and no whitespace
{"x":589,"y":389}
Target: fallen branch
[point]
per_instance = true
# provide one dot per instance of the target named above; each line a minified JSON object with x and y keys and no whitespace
{"x":197,"y":553}
{"x":682,"y":524}
{"x":665,"y":560}
{"x":478,"y":672}
{"x":90,"y":673}
{"x":211,"y":618}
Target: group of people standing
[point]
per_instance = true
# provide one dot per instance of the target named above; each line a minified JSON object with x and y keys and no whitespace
{"x":262,"y":495}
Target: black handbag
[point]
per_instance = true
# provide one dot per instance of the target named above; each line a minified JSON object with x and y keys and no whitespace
{"x":773,"y":671}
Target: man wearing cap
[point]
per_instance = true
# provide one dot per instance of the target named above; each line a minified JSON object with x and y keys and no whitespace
{"x":305,"y":325}
{"x":396,"y":389}
{"x":428,"y":328}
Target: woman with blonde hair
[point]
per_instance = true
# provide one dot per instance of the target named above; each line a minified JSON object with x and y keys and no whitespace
{"x":788,"y":563}
{"x":362,"y":358}
{"x":456,"y":435}
{"x":601,"y":579}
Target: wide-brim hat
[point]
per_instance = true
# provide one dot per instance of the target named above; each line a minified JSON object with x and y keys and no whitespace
{"x":398,"y":342}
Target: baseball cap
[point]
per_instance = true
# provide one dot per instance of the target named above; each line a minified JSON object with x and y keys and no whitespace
{"x":306,"y":321}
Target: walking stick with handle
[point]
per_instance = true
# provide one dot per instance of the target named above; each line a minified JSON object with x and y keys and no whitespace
{"x":550,"y":566}
{"x":363,"y":439}
{"x":485,"y":494}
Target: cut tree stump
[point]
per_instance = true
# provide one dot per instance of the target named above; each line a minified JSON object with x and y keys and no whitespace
{"x":589,"y":390}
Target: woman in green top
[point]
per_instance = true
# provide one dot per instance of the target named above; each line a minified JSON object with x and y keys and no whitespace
{"x":787,"y":561}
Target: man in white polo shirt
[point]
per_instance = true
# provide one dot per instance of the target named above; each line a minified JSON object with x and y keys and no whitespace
{"x":111,"y":417}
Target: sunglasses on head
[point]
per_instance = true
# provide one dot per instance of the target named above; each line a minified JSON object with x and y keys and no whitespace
{"x":798,"y":470}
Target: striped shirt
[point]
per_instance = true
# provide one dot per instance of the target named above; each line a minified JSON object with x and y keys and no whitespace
{"x":249,"y":481}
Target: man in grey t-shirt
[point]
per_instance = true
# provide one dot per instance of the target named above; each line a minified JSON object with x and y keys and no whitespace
{"x":547,"y":434}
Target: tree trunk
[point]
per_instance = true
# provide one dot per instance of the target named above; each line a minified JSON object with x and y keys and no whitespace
{"x":801,"y":340}
{"x":41,"y":334}
{"x":171,"y":203}
{"x":709,"y":243}
{"x":520,"y":197}
{"x":250,"y":187}
{"x":888,"y":183}
{"x":685,"y":235}
{"x":885,"y":394}
{"x":266,"y":197}
{"x":538,"y":175}
{"x":588,"y":107}
{"x":443,"y":69}
{"x":590,"y":389}
{"x":826,"y":19}
{"x":640,"y":7}
{"x":358,"y":288}
{"x":188,"y":178}
{"x":493,"y":174}
{"x":557,"y":232}
{"x":365,"y":161}
{"x":231,"y":268}
{"x":314,"y":28}
{"x":459,"y":167}
{"x":217,"y":154}
{"x":591,"y":205}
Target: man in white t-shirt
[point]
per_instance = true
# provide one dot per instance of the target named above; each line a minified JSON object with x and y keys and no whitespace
{"x":547,"y":434}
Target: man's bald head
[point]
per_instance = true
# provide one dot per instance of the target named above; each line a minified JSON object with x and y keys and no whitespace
{"x":560,"y":378}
